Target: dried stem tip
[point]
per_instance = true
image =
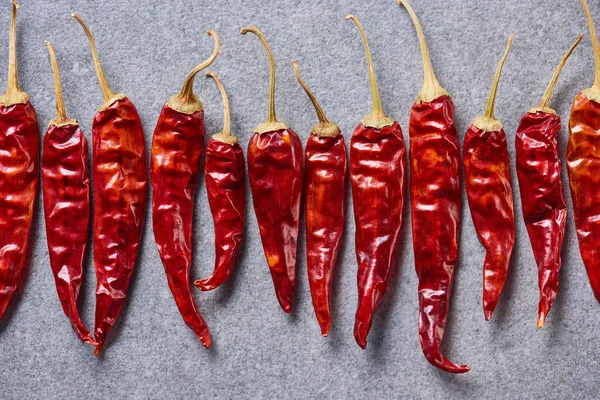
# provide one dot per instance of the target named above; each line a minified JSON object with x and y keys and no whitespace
{"x":13,"y":94}
{"x":61,"y":113}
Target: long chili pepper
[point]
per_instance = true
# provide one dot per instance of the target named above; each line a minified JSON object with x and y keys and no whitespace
{"x":177,"y":145}
{"x":325,"y":190}
{"x":583,"y":165}
{"x":490,"y":195}
{"x":542,"y":198}
{"x":377,"y":171}
{"x":275,"y":172}
{"x":66,"y":188}
{"x":19,"y":170}
{"x":225,"y":175}
{"x":120,"y":190}
{"x":435,"y":204}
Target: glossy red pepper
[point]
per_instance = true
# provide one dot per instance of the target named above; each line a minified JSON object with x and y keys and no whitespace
{"x":583,"y":165}
{"x":120,"y":191}
{"x":377,"y":171}
{"x":225,"y":176}
{"x":435,"y":204}
{"x":177,"y":146}
{"x":19,"y":170}
{"x":66,"y":188}
{"x":275,"y":172}
{"x":542,"y":198}
{"x":325,"y":190}
{"x":490,"y":195}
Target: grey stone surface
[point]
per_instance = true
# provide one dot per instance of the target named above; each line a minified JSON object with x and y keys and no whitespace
{"x":147,"y":47}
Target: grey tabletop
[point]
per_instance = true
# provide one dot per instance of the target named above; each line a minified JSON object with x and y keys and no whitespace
{"x":147,"y":47}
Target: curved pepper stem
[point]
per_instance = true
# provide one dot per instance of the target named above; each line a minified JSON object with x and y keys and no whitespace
{"x":595,"y":45}
{"x":225,"y":135}
{"x":61,"y":112}
{"x":13,"y":94}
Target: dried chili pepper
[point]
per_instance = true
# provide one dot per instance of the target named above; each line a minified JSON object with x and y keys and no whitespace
{"x":583,"y":165}
{"x":435,"y":204}
{"x":19,"y":169}
{"x":66,"y":188}
{"x":225,"y":175}
{"x":275,"y":172}
{"x":120,"y":190}
{"x":377,"y":171}
{"x":490,"y":195}
{"x":542,"y":198}
{"x":325,"y":190}
{"x":177,"y":145}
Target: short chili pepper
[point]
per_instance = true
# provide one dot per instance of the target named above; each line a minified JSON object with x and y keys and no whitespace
{"x":435,"y":204}
{"x":66,"y":188}
{"x":120,"y":183}
{"x":377,"y":172}
{"x":19,"y":170}
{"x":225,"y":175}
{"x":542,"y":198}
{"x":275,"y":172}
{"x":177,"y":145}
{"x":490,"y":195}
{"x":325,"y":191}
{"x":583,"y":165}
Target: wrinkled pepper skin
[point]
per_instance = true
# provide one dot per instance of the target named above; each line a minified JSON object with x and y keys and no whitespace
{"x":326,"y":168}
{"x":542,"y":198}
{"x":435,"y":205}
{"x":177,"y":145}
{"x":66,"y":189}
{"x":19,"y":171}
{"x":490,"y":196}
{"x":275,"y":171}
{"x":583,"y":164}
{"x":120,"y":193}
{"x":225,"y":176}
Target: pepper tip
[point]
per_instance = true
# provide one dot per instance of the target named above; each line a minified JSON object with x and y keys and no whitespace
{"x":488,"y":314}
{"x":541,"y":319}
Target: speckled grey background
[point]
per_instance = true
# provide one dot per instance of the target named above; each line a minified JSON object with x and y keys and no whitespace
{"x":147,"y":47}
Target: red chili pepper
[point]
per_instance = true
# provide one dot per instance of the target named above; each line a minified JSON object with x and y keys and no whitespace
{"x":544,"y":207}
{"x":490,"y":195}
{"x":120,"y":192}
{"x":66,"y":188}
{"x":225,"y":175}
{"x":275,"y":171}
{"x":175,"y":161}
{"x":583,"y":164}
{"x":377,"y":171}
{"x":19,"y":169}
{"x":325,"y":179}
{"x":435,"y":203}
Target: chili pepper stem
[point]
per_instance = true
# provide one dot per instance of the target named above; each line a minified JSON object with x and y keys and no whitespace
{"x":13,"y":94}
{"x":61,"y":113}
{"x":487,"y":122}
{"x":225,"y":135}
{"x":324,"y":128}
{"x":593,"y":93}
{"x":186,"y":101}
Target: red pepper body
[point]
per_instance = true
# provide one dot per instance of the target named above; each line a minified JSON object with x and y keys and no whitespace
{"x":225,"y":175}
{"x":377,"y":168}
{"x":120,"y":192}
{"x":66,"y":188}
{"x":583,"y":164}
{"x":542,"y":199}
{"x":435,"y":203}
{"x":19,"y":170}
{"x":177,"y":145}
{"x":489,"y":191}
{"x":325,"y":178}
{"x":275,"y":171}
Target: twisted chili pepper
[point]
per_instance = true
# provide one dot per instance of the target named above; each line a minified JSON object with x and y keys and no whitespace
{"x":19,"y":169}
{"x":435,"y":204}
{"x":275,"y":171}
{"x":66,"y":188}
{"x":542,"y":198}
{"x":325,"y":179}
{"x":377,"y":171}
{"x":177,"y":145}
{"x":120,"y":192}
{"x":489,"y":191}
{"x":225,"y":175}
